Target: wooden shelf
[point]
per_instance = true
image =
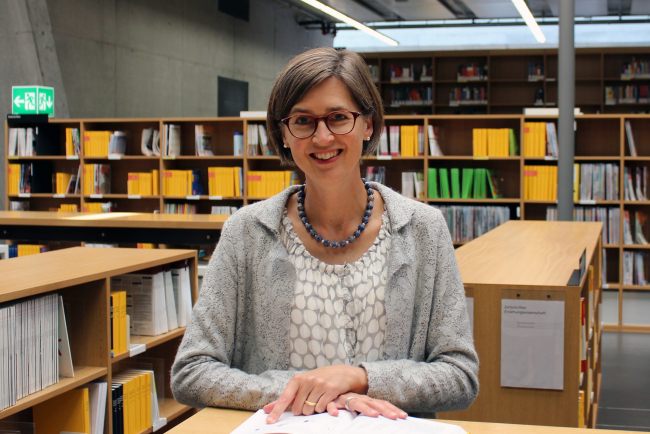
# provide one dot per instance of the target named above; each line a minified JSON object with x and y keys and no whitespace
{"x":41,"y":157}
{"x":207,"y":158}
{"x":470,"y":157}
{"x":150,"y":342}
{"x":120,"y":196}
{"x":415,"y":158}
{"x":45,"y":195}
{"x":122,"y":157}
{"x":172,"y":409}
{"x":81,"y":377}
{"x":637,"y":287}
{"x":496,"y":201}
{"x":201,"y":197}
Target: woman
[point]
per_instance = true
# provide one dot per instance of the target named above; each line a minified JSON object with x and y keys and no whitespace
{"x":335,"y":294}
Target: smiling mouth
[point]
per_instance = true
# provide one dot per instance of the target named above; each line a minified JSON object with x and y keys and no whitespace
{"x":327,"y":155}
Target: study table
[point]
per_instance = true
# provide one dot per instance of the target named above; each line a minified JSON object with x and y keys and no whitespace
{"x":108,"y":228}
{"x":224,"y":421}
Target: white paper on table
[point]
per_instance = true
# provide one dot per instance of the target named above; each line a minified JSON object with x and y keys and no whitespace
{"x":65,"y":357}
{"x":470,"y":311}
{"x":345,"y":422}
{"x":532,"y":344}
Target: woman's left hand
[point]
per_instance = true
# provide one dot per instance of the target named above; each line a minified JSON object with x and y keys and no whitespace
{"x":365,"y":405}
{"x":320,"y":387}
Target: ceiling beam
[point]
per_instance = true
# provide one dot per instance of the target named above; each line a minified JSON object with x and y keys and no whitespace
{"x":380,"y":9}
{"x":458,"y":8}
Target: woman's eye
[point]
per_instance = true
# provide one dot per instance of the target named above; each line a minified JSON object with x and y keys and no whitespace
{"x":339,"y":117}
{"x":303,"y":120}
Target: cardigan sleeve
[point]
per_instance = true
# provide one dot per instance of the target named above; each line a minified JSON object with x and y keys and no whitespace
{"x":202,"y":375}
{"x":446,"y":378}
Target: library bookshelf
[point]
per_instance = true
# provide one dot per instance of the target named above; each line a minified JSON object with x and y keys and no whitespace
{"x":508,"y":86}
{"x":81,"y":275}
{"x":599,"y":139}
{"x":492,"y":273}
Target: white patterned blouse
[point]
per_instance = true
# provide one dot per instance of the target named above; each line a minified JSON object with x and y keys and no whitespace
{"x":338,"y":315}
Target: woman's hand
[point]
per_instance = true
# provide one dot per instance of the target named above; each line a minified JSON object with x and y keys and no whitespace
{"x":365,"y":405}
{"x":310,"y":392}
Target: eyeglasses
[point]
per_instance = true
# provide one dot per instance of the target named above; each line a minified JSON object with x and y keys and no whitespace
{"x":339,"y":122}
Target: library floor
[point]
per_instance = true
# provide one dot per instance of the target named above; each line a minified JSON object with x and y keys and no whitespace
{"x":625,"y":390}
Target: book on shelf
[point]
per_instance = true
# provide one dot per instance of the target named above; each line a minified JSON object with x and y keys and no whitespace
{"x":72,"y":142}
{"x":635,"y":69}
{"x":182,"y":290}
{"x":34,"y":332}
{"x":182,"y":183}
{"x":171,"y":141}
{"x":402,"y":73}
{"x":472,"y":72}
{"x":411,"y":96}
{"x":479,"y":184}
{"x":268,"y":183}
{"x":68,"y":412}
{"x":97,"y":394}
{"x":444,"y":183}
{"x":145,"y":301}
{"x":466,"y":223}
{"x":493,"y":182}
{"x":630,"y":139}
{"x":455,"y":183}
{"x":609,"y":216}
{"x":535,"y":71}
{"x":540,"y":139}
{"x":434,"y":146}
{"x":99,"y":207}
{"x":540,"y":183}
{"x":150,"y":144}
{"x":143,"y":183}
{"x":376,"y":174}
{"x":639,"y":220}
{"x":432,"y":181}
{"x":170,"y":299}
{"x":627,"y":94}
{"x":180,"y":208}
{"x":627,"y":229}
{"x":97,"y":179}
{"x":33,"y":177}
{"x":19,"y":205}
{"x":117,"y":143}
{"x":202,"y":140}
{"x":493,"y":142}
{"x":258,"y":140}
{"x":62,"y":182}
{"x":29,"y":142}
{"x":225,"y":181}
{"x":596,"y":181}
{"x":634,"y":268}
{"x":468,"y":182}
{"x":68,"y":207}
{"x":119,"y":329}
{"x":382,"y":148}
{"x":223,"y":210}
{"x":413,"y":185}
{"x":345,"y":422}
{"x":467,"y":96}
{"x":374,"y":72}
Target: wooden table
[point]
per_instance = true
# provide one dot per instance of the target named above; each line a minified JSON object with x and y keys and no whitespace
{"x":223,"y":421}
{"x":115,"y":227}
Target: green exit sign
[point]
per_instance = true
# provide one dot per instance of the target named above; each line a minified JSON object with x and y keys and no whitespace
{"x":32,"y":100}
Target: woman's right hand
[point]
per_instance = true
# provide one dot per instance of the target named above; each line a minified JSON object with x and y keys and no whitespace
{"x":363,"y":404}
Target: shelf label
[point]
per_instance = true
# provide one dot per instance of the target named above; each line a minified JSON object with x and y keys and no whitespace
{"x":481,"y":157}
{"x":71,"y":157}
{"x":384,"y":157}
{"x":24,"y":195}
{"x":96,"y":196}
{"x":169,"y":157}
{"x":605,"y":285}
{"x":193,"y":197}
{"x":587,"y":202}
{"x":115,"y":156}
{"x":137,"y":349}
{"x":550,"y":158}
{"x":59,"y":196}
{"x":215,"y":197}
{"x":135,"y":196}
{"x":13,"y":157}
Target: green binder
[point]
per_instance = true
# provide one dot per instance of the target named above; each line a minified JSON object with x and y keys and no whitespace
{"x":455,"y":183}
{"x":468,"y":177}
{"x":495,"y":186}
{"x":479,"y":183}
{"x":444,"y":184}
{"x":514,"y":147}
{"x":433,"y":183}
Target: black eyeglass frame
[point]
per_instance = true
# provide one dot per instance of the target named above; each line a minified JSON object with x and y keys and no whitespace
{"x":324,"y":118}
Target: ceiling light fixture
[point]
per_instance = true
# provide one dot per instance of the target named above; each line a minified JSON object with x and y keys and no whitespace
{"x":339,"y":16}
{"x":530,"y":20}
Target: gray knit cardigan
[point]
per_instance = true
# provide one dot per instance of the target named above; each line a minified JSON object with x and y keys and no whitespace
{"x":235,"y":352}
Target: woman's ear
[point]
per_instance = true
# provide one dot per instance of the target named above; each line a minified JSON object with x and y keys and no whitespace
{"x":369,"y":129}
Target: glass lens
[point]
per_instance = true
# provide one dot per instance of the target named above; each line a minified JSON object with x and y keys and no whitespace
{"x":302,"y":126}
{"x":340,"y":122}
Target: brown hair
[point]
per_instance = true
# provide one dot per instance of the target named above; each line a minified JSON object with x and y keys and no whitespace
{"x":308,"y":70}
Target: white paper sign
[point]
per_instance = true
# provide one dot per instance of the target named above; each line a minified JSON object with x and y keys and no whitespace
{"x":532,"y":344}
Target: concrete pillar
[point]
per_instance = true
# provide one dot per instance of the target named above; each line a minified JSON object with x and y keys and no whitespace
{"x":566,"y":103}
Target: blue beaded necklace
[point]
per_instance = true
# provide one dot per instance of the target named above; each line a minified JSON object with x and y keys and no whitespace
{"x":335,"y":244}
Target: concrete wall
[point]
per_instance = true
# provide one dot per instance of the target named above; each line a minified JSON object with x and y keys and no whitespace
{"x":134,"y":58}
{"x":141,"y":58}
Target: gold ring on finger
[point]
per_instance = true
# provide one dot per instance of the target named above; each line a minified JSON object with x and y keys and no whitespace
{"x":309,"y":403}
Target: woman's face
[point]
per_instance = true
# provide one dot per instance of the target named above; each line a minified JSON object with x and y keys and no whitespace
{"x":325,"y":156}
